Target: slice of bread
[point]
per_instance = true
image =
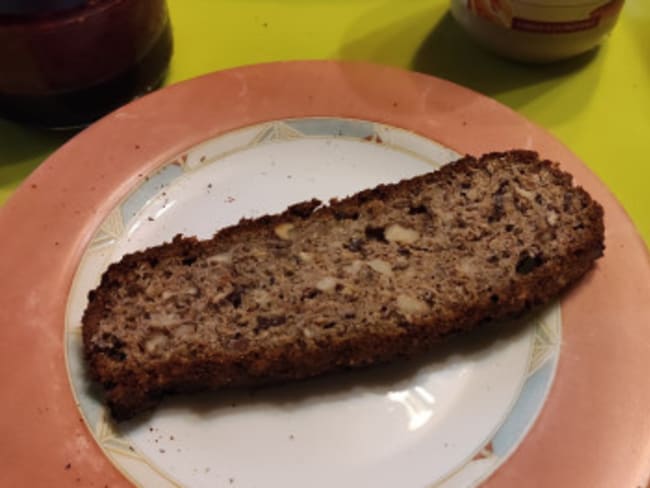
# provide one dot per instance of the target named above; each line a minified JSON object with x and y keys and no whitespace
{"x":385,"y":273}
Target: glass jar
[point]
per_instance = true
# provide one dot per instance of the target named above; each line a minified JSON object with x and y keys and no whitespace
{"x":539,"y":31}
{"x":65,"y":63}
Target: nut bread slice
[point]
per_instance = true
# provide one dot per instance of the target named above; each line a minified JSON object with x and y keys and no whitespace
{"x":386,"y":273}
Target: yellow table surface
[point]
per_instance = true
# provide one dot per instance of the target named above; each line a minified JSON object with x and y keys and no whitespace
{"x":598,"y":105}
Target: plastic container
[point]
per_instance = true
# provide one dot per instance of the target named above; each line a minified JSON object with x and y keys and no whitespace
{"x":65,"y":63}
{"x":539,"y":31}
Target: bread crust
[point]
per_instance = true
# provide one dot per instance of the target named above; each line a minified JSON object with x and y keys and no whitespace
{"x":131,"y":386}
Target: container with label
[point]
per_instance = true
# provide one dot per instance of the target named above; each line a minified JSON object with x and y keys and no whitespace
{"x":65,"y":63}
{"x":537,"y":30}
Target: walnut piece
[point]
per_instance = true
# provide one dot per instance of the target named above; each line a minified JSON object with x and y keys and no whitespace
{"x":223,"y":258}
{"x":381,"y":266}
{"x":409,"y":305}
{"x":326,"y":284}
{"x":401,"y":235}
{"x":283,"y":231}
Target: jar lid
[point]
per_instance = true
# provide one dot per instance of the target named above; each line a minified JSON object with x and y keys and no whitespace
{"x":31,"y":7}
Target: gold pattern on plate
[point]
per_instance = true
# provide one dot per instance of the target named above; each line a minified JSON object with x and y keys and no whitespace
{"x":547,"y":339}
{"x":115,"y":446}
{"x":112,"y":229}
{"x":277,"y":131}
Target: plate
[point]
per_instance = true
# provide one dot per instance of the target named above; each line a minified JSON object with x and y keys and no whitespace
{"x":424,"y":408}
{"x":540,"y":400}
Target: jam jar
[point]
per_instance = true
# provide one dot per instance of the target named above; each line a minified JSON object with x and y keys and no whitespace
{"x":539,"y":31}
{"x":65,"y":63}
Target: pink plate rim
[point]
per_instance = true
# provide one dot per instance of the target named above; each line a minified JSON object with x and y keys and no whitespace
{"x":593,"y":431}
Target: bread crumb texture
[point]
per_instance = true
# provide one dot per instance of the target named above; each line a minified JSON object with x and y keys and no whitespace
{"x":385,"y":273}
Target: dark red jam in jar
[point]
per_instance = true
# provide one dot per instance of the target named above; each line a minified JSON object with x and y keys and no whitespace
{"x":65,"y":63}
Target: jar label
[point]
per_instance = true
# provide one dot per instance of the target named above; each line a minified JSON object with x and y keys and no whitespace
{"x":545,"y":16}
